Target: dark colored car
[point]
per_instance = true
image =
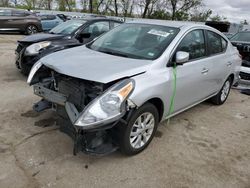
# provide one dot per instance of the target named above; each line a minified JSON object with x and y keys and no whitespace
{"x":19,"y":20}
{"x":66,"y":35}
{"x":241,"y":40}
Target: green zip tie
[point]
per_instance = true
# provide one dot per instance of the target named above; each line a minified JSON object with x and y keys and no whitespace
{"x":171,"y":107}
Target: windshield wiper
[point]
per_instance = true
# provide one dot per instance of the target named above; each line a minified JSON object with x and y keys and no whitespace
{"x":113,"y":53}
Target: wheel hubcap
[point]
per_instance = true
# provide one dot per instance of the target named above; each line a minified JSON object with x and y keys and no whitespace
{"x":32,"y":29}
{"x":225,"y":91}
{"x":142,"y":130}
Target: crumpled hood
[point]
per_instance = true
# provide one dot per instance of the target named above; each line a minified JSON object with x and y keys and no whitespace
{"x":81,"y":62}
{"x":41,"y":37}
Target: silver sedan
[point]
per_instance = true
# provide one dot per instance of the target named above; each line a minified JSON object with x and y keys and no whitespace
{"x":116,"y":89}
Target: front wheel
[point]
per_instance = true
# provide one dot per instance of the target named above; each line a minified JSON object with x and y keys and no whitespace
{"x":222,"y":96}
{"x":138,"y":133}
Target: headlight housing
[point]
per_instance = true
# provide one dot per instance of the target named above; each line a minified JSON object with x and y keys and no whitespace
{"x":108,"y":107}
{"x":35,"y":48}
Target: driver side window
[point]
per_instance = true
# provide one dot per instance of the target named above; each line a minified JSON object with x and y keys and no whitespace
{"x":194,"y":44}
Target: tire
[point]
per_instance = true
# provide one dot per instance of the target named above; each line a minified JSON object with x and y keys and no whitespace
{"x":31,"y":29}
{"x":130,"y":145}
{"x":222,"y":96}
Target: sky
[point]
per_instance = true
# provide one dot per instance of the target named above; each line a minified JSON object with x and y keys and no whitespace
{"x":233,"y":10}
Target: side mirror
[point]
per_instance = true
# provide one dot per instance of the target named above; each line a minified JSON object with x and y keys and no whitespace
{"x":85,"y":35}
{"x":181,"y":57}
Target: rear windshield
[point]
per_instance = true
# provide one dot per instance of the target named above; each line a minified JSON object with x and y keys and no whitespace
{"x":139,"y":41}
{"x":67,"y":27}
{"x":242,"y":36}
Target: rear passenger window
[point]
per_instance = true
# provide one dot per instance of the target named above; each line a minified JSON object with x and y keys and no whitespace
{"x":51,"y":17}
{"x":216,"y":44}
{"x":18,"y":13}
{"x":48,"y":17}
{"x":194,"y":44}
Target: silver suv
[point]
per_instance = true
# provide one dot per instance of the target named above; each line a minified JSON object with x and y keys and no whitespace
{"x":113,"y":92}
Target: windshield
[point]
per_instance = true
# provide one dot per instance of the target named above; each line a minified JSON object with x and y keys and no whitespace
{"x":243,"y":36}
{"x":139,"y":41}
{"x":67,"y":27}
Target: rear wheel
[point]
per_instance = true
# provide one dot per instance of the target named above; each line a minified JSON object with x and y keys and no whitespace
{"x":138,"y":133}
{"x":221,"y":97}
{"x":31,"y":29}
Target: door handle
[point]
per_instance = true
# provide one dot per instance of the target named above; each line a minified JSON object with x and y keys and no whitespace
{"x":204,"y":70}
{"x":229,"y":63}
{"x":9,"y":20}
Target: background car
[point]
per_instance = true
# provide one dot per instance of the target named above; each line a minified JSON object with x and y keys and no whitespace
{"x":113,"y":91}
{"x":241,"y":40}
{"x":49,"y":21}
{"x":19,"y":20}
{"x":228,"y":35}
{"x":66,"y":35}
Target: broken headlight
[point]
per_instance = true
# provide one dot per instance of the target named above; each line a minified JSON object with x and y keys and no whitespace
{"x":35,"y":48}
{"x":108,"y":107}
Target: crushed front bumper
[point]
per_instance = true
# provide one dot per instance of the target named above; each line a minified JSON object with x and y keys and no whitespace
{"x":96,"y":141}
{"x":61,"y":99}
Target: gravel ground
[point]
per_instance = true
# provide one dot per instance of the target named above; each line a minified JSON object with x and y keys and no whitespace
{"x":206,"y":146}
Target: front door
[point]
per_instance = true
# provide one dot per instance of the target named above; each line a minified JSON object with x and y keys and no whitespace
{"x":192,"y":83}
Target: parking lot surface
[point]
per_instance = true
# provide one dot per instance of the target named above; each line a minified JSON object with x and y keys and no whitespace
{"x":206,"y":146}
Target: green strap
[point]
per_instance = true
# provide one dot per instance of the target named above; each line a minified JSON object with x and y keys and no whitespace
{"x":172,"y":100}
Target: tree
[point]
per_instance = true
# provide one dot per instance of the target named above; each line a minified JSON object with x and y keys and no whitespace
{"x":218,"y":18}
{"x":4,"y":3}
{"x":64,"y":5}
{"x":200,"y":16}
{"x":182,"y":7}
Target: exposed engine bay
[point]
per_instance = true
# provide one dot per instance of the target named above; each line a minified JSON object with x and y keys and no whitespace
{"x":69,"y":96}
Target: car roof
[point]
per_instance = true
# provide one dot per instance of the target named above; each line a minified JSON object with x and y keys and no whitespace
{"x":177,"y":24}
{"x":8,"y":8}
{"x":100,"y":18}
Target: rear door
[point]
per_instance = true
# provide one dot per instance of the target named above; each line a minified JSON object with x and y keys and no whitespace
{"x":220,"y":60}
{"x":17,"y":19}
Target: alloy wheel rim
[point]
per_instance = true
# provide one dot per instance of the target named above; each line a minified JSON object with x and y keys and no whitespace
{"x":32,"y":29}
{"x":225,"y":91}
{"x":142,"y":130}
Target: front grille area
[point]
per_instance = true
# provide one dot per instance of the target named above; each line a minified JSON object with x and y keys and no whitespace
{"x":244,"y":76}
{"x":19,"y":48}
{"x":79,"y":92}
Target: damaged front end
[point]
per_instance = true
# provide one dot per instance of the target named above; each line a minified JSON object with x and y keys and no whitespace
{"x":89,"y":111}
